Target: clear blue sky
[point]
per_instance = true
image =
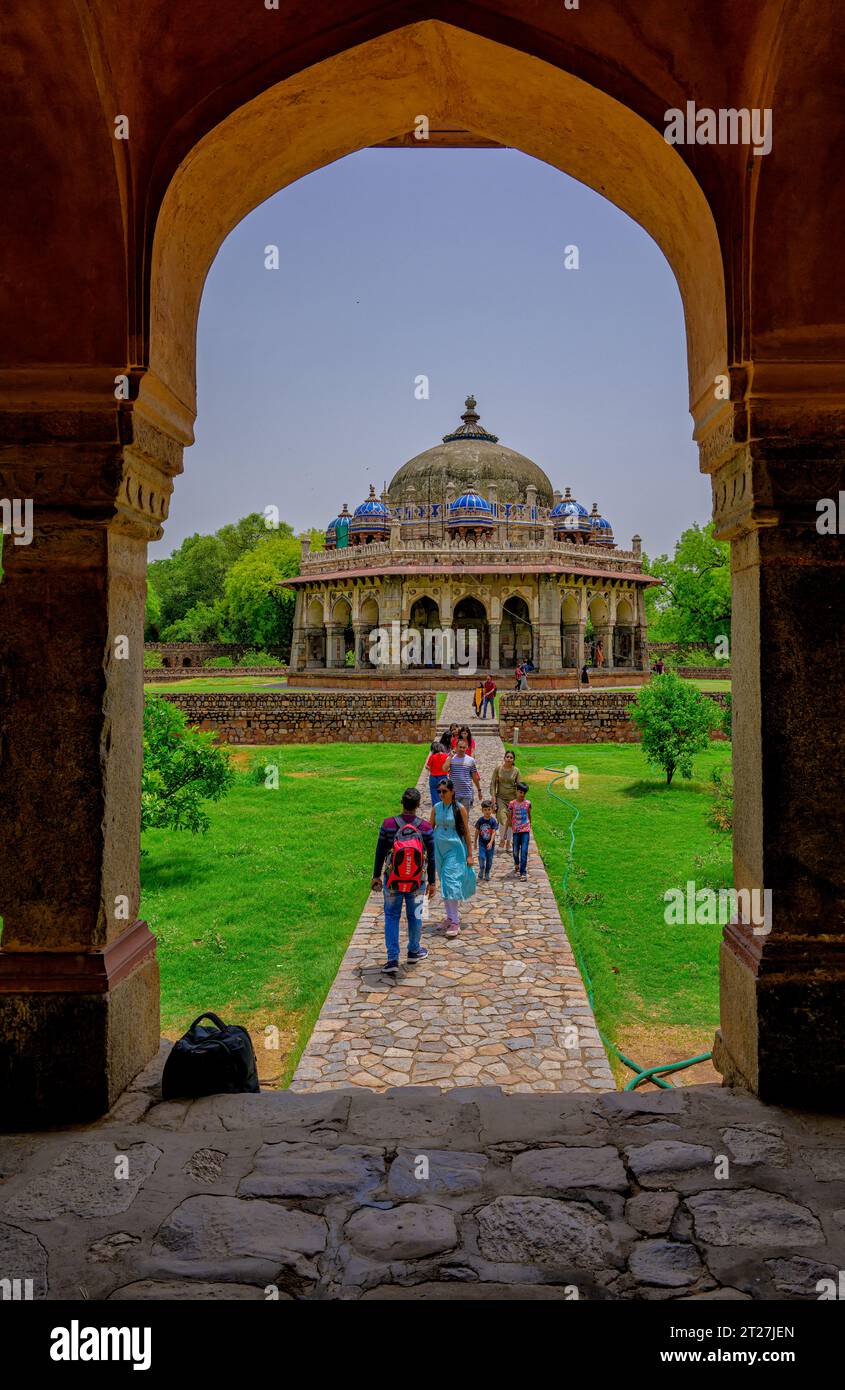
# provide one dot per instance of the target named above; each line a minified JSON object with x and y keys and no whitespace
{"x":395,"y":263}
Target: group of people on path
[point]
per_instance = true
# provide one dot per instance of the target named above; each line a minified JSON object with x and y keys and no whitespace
{"x":411,"y":850}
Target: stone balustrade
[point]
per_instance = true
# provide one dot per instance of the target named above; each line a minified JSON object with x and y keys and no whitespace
{"x":422,"y":552}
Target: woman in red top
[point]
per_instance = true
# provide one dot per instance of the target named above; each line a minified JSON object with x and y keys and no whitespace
{"x":465,"y":734}
{"x":437,"y":765}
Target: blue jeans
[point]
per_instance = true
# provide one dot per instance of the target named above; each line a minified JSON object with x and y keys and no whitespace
{"x":433,"y":784}
{"x":485,"y":858}
{"x":520,"y":849}
{"x":491,"y":701}
{"x":392,"y":913}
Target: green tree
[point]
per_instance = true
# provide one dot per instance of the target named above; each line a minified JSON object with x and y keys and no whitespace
{"x":675,"y":720}
{"x":183,"y":767}
{"x":193,"y":576}
{"x":260,"y":612}
{"x":205,"y":622}
{"x":693,"y":604}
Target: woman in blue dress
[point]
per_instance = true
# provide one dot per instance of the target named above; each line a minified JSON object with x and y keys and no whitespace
{"x":453,"y":853}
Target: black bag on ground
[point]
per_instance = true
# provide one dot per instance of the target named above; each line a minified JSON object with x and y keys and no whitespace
{"x":210,"y":1060}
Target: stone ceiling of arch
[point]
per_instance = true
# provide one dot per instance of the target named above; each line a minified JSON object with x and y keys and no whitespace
{"x":74,"y":202}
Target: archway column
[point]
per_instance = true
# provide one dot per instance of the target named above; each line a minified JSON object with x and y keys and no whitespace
{"x":782,"y":1027}
{"x":334,"y":632}
{"x":573,"y":645}
{"x":362,"y":632}
{"x":495,"y":630}
{"x":79,"y":985}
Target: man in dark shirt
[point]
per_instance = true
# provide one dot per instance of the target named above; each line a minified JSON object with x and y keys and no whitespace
{"x":392,"y":900}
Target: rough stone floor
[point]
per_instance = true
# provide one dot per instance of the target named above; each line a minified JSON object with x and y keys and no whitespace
{"x":503,"y":1004}
{"x":414,"y":1194}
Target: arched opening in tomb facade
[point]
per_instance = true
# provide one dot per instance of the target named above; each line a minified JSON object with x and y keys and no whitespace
{"x":516,"y":642}
{"x":472,"y":633}
{"x":340,"y":634}
{"x":424,"y":617}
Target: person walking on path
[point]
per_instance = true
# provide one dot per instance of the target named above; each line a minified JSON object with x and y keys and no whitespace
{"x":503,"y":792}
{"x":485,"y":840}
{"x":403,"y":842}
{"x":518,"y":674}
{"x":463,"y":772}
{"x":523,"y":677}
{"x":453,"y":854}
{"x":519,"y":813}
{"x":489,"y":689}
{"x":585,"y":676}
{"x":477,"y":697}
{"x":437,"y":766}
{"x":466,"y":734}
{"x":451,"y":739}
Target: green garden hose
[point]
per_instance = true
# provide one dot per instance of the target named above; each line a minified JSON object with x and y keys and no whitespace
{"x":642,"y":1074}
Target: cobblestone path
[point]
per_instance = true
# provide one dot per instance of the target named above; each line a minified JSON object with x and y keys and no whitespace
{"x":503,"y":1004}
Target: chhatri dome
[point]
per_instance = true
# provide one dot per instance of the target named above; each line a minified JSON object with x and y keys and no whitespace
{"x":468,"y":461}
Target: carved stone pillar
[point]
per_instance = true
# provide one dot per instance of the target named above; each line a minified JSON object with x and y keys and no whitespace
{"x":362,"y":632}
{"x":79,"y":987}
{"x":495,"y":634}
{"x":773,"y":459}
{"x":334,"y":634}
{"x":572,"y":646}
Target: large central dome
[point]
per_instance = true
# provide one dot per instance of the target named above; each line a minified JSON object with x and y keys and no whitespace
{"x":469,"y":460}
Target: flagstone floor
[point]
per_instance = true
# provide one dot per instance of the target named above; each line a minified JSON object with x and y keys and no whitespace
{"x":503,"y":1004}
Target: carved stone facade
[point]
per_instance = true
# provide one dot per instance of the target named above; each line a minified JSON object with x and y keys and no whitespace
{"x":517,"y":573}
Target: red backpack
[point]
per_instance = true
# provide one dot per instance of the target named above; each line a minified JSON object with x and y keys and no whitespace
{"x":407,"y":859}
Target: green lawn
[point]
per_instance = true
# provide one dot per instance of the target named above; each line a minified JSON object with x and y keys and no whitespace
{"x":250,"y":922}
{"x":441,"y":700}
{"x":656,"y":986}
{"x":215,"y":684}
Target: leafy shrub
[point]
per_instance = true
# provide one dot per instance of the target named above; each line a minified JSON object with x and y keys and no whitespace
{"x":675,"y":720}
{"x":153,"y":661}
{"x":721,"y":815}
{"x":219,"y":661}
{"x":182,"y":768}
{"x":259,"y":659}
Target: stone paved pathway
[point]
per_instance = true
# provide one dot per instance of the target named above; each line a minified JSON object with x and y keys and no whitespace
{"x":503,"y":1004}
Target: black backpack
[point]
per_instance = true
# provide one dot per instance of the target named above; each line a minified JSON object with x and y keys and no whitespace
{"x":210,"y":1060}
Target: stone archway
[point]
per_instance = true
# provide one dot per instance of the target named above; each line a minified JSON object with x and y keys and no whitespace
{"x":762,"y":313}
{"x":424,"y":617}
{"x":471,"y":628}
{"x":516,"y":640}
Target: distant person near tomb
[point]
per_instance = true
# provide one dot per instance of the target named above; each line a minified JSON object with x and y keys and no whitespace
{"x":489,"y":689}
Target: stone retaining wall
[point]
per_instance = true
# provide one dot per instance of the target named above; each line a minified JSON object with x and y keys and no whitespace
{"x":574,"y":717}
{"x":299,"y":717}
{"x":341,"y":678}
{"x":163,"y":673}
{"x":190,"y":655}
{"x":705,"y":673}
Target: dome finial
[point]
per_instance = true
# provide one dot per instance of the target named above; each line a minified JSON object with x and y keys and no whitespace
{"x":471,"y":427}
